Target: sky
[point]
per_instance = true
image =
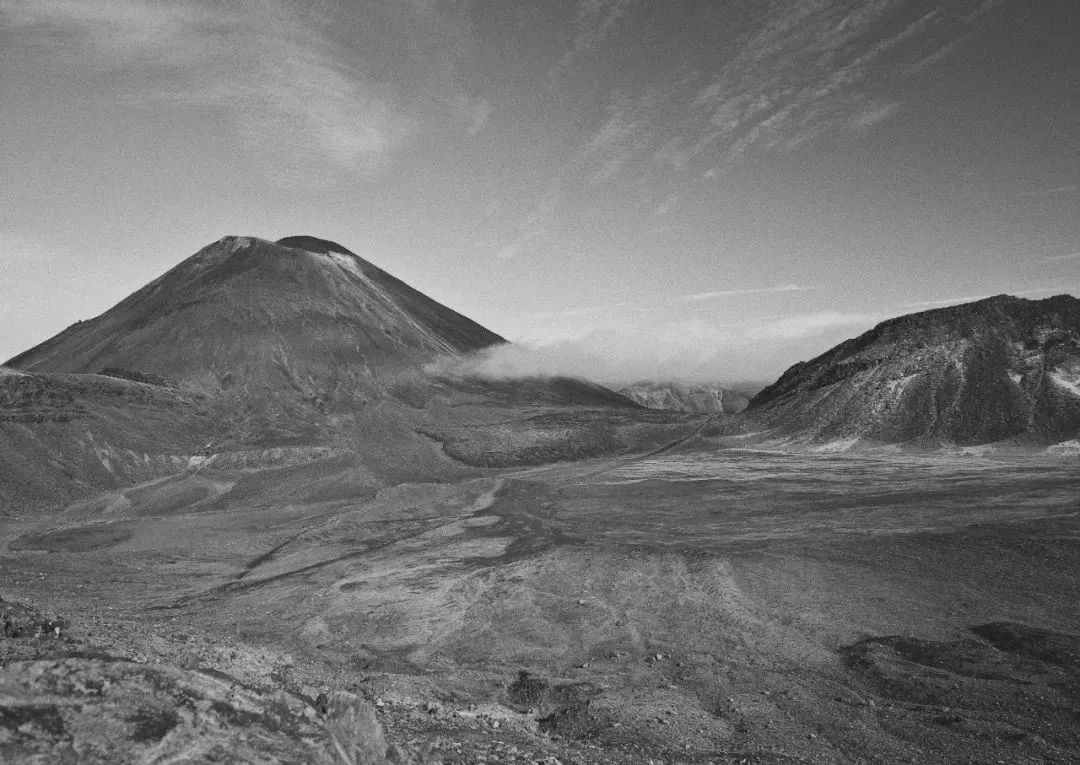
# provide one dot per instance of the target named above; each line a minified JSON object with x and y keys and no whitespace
{"x":631,"y":189}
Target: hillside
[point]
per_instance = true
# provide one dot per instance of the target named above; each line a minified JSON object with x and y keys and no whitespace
{"x":999,"y":369}
{"x":252,"y":313}
{"x":260,"y":354}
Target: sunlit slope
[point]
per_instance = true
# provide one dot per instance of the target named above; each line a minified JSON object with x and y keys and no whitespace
{"x":1000,"y":369}
{"x":303,"y":315}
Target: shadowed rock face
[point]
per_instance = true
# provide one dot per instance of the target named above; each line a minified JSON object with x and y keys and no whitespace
{"x":293,"y":314}
{"x":993,"y":370}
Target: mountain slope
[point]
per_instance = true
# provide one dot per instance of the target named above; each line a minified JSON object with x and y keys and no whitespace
{"x":254,"y":354}
{"x":998,"y":369}
{"x":300,"y":314}
{"x":65,"y":435}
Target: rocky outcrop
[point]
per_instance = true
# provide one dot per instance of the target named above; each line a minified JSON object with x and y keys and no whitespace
{"x":65,"y":700}
{"x":698,"y":398}
{"x":1000,"y":369}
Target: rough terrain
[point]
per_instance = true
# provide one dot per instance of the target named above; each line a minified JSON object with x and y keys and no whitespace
{"x":680,"y":607}
{"x":999,"y":369}
{"x":242,"y":518}
{"x":258,"y":354}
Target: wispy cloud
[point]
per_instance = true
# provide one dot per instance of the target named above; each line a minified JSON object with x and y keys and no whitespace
{"x":874,"y":114}
{"x":300,"y":98}
{"x":797,"y":71}
{"x":700,"y":296}
{"x":626,"y":131}
{"x":595,"y":21}
{"x":814,"y":67}
{"x":535,"y":226}
{"x":1068,"y":189}
{"x":630,"y":129}
{"x":935,"y":56}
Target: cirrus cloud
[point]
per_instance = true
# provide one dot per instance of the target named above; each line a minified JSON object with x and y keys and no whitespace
{"x":302,"y":99}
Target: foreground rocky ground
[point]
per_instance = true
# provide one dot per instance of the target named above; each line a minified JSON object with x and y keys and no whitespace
{"x":686,"y":607}
{"x":132,"y":695}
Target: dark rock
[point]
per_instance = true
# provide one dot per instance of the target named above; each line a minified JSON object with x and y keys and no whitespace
{"x":527,"y":691}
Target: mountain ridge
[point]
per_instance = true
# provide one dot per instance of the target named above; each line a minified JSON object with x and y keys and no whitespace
{"x":996,"y":369}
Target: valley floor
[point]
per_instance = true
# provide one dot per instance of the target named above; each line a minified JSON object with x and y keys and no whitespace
{"x":688,"y":606}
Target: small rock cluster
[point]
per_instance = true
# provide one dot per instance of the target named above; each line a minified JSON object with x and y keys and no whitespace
{"x":20,"y":621}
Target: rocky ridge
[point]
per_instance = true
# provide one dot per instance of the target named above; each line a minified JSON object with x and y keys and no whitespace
{"x":996,"y":370}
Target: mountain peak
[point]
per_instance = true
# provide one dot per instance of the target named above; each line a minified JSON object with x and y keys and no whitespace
{"x":312,"y":244}
{"x":302,"y":313}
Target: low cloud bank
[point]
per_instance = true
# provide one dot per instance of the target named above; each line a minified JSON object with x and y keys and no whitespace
{"x":687,"y":351}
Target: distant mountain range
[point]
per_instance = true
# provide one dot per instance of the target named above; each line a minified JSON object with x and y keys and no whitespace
{"x":999,"y":369}
{"x":699,"y":398}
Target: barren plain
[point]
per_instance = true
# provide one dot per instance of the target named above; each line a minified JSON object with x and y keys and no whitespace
{"x":685,"y":605}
